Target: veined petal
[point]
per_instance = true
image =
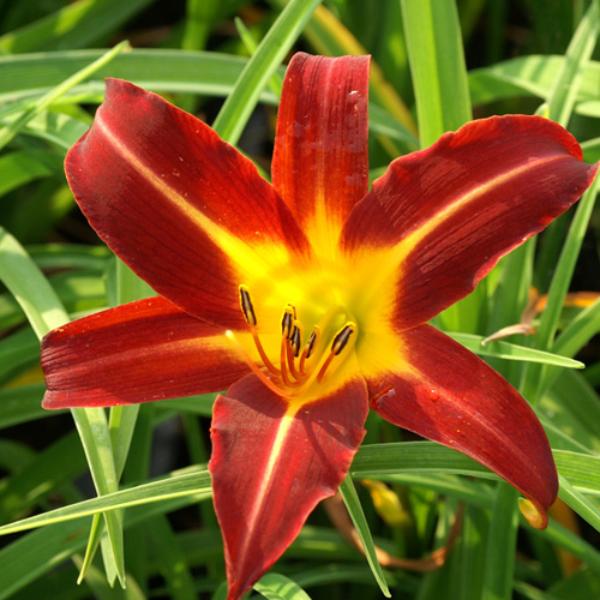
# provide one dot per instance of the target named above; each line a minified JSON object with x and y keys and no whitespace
{"x":185,"y":210}
{"x":448,"y":213}
{"x":272,"y":463}
{"x":443,"y":392}
{"x":142,"y":351}
{"x":320,"y":161}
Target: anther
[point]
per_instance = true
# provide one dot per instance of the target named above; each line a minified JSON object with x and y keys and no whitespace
{"x":340,"y":341}
{"x":309,"y":347}
{"x":287,"y":322}
{"x":295,"y":340}
{"x":247,"y":307}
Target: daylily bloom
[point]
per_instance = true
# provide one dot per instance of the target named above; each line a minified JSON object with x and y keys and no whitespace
{"x":307,"y":299}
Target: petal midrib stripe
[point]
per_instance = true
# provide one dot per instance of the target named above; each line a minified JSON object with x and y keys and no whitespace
{"x":255,"y":508}
{"x":407,"y":244}
{"x":215,"y":342}
{"x":229,"y":244}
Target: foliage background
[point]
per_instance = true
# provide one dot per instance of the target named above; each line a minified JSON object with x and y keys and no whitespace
{"x":436,"y":63}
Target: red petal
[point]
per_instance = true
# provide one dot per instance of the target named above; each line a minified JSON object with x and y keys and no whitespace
{"x":171,"y":199}
{"x":146,"y":350}
{"x":320,"y":162}
{"x":270,"y":467}
{"x":450,"y":396}
{"x":453,"y":210}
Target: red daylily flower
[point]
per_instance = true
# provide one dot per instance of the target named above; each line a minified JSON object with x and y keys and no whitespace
{"x":350,"y":276}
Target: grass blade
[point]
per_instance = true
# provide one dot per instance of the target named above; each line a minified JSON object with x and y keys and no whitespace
{"x":437,"y":63}
{"x":44,"y":312}
{"x":562,"y":97}
{"x":274,"y":586}
{"x":75,"y":25}
{"x":238,"y":107}
{"x":534,"y":374}
{"x":509,"y":351}
{"x":194,"y":481}
{"x":8,"y":132}
{"x":352,"y":502}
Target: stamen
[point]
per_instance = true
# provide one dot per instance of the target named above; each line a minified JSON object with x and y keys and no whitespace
{"x":247,"y":307}
{"x":292,"y":351}
{"x":340,"y":341}
{"x":310,"y":344}
{"x":261,"y":352}
{"x":253,"y":367}
{"x":291,"y":378}
{"x":287,"y":321}
{"x":295,"y":339}
{"x":250,"y":316}
{"x":309,"y":348}
{"x":284,"y":359}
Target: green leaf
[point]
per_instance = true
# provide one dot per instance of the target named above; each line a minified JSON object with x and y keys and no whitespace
{"x":17,"y":350}
{"x":544,"y":336}
{"x":77,"y":292}
{"x":29,"y":287}
{"x":274,"y":586}
{"x":8,"y":132}
{"x":44,"y":311}
{"x":207,"y":73}
{"x":70,"y":256}
{"x":586,"y":508}
{"x":579,"y":331}
{"x":437,"y":64}
{"x":508,"y":351}
{"x":172,"y":560}
{"x":57,"y":464}
{"x":591,"y":150}
{"x":76,"y":24}
{"x":37,"y":553}
{"x":276,"y":81}
{"x":533,"y":75}
{"x":57,"y":128}
{"x":501,"y":544}
{"x":19,"y":168}
{"x":193,"y":481}
{"x":581,"y":470}
{"x":352,"y":502}
{"x":378,"y":460}
{"x":239,"y":105}
{"x":22,"y":404}
{"x":126,"y":287}
{"x":574,"y":408}
{"x":561,"y":99}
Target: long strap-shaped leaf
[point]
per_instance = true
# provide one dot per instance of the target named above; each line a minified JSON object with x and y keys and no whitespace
{"x":122,"y":419}
{"x":239,"y":105}
{"x":437,"y":64}
{"x":559,"y":105}
{"x":374,"y":461}
{"x":45,"y":312}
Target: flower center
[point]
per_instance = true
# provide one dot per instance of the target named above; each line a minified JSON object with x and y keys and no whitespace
{"x":305,"y":361}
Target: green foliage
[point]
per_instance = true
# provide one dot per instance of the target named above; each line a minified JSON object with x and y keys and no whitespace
{"x":435,"y":63}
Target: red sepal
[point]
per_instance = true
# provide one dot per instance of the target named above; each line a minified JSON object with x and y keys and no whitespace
{"x":270,"y":467}
{"x":450,"y":396}
{"x":452,"y":210}
{"x":142,"y":351}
